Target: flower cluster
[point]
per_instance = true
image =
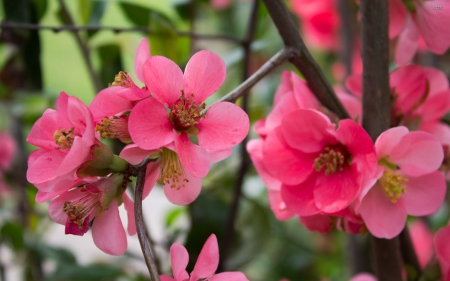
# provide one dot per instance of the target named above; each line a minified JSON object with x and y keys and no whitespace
{"x":163,"y":120}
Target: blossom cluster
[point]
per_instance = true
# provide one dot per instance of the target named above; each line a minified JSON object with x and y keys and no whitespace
{"x":165,"y":120}
{"x":331,"y":174}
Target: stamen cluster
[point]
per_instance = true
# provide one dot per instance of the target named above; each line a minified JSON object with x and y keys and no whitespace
{"x":172,"y":171}
{"x":393,"y":185}
{"x":332,"y":159}
{"x":185,"y":114}
{"x":64,"y":138}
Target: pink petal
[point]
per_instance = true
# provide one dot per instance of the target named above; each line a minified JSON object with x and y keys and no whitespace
{"x":134,"y":154}
{"x":300,"y":198}
{"x":285,"y":87}
{"x":278,"y":206}
{"x":133,"y":94}
{"x":436,"y":79}
{"x":397,"y":17}
{"x":418,"y":153}
{"x":433,"y":24}
{"x":151,"y":176}
{"x":179,"y":258}
{"x":108,"y":103}
{"x":383,"y":218}
{"x":164,"y":79}
{"x":194,"y":158}
{"x":422,"y":239}
{"x":303,"y":95}
{"x":55,"y":208}
{"x":352,"y":104}
{"x":219,"y":155}
{"x":407,"y":43}
{"x":108,"y":232}
{"x":185,"y":195}
{"x":43,"y":168}
{"x":224,"y":126}
{"x":435,"y":107}
{"x":79,"y":154}
{"x":129,"y":207}
{"x":438,"y":130}
{"x":203,"y":76}
{"x":41,"y":133}
{"x":320,"y":223}
{"x":409,"y":83}
{"x":62,"y":103}
{"x":354,"y":84}
{"x":208,"y":260}
{"x":443,"y":250}
{"x":388,"y":140}
{"x":364,"y":277}
{"x":229,"y":276}
{"x":336,"y":191}
{"x":255,"y":150}
{"x":149,"y":125}
{"x":355,"y":138}
{"x":142,"y":54}
{"x":286,"y":105}
{"x":307,"y":130}
{"x":166,"y":278}
{"x":51,"y":189}
{"x":288,"y":165}
{"x":82,"y":119}
{"x":424,"y":194}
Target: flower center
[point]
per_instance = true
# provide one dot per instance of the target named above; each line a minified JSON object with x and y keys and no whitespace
{"x":393,"y":185}
{"x":78,"y":210}
{"x":114,"y":128}
{"x":123,"y":79}
{"x":64,"y":138}
{"x":332,"y":159}
{"x":185,"y":114}
{"x":172,"y":171}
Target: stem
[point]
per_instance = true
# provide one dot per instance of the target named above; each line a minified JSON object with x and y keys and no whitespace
{"x":274,"y":61}
{"x":245,"y":159}
{"x":377,"y":112}
{"x":84,"y":48}
{"x":11,"y":25}
{"x":409,"y":254}
{"x":302,"y":59}
{"x":140,"y":227}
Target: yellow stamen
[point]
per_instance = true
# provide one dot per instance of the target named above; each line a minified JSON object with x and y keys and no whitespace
{"x":79,"y":209}
{"x":64,"y":138}
{"x":172,"y":171}
{"x":186,"y":114}
{"x":393,"y":185}
{"x":114,"y":128}
{"x":123,"y":79}
{"x":333,"y":161}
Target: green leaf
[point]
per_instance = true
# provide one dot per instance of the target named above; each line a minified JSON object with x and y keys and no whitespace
{"x":111,"y":62}
{"x":163,"y":38}
{"x":173,"y":215}
{"x":41,"y":7}
{"x":139,"y":15}
{"x":85,"y":7}
{"x":12,"y":233}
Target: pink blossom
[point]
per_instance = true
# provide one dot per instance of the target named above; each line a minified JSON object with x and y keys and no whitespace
{"x":422,"y":240}
{"x":205,"y":267}
{"x":7,"y":149}
{"x":364,"y":277}
{"x":408,"y":181}
{"x":419,"y":19}
{"x":443,"y":251}
{"x":221,"y":127}
{"x":66,"y":138}
{"x":322,"y":169}
{"x":98,"y":201}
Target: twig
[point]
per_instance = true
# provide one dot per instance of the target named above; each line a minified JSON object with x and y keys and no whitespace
{"x":56,"y":29}
{"x":140,"y":227}
{"x":245,"y":159}
{"x":409,"y":254}
{"x":274,"y":61}
{"x":377,"y":112}
{"x":302,"y":59}
{"x":84,"y":48}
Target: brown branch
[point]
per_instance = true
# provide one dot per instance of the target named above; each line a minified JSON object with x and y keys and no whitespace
{"x":302,"y":59}
{"x":243,"y":88}
{"x":347,"y":35}
{"x":140,"y":227}
{"x":84,"y":48}
{"x":376,"y":113}
{"x":72,"y":28}
{"x":245,"y":159}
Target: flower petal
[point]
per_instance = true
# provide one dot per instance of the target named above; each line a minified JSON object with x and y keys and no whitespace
{"x":41,"y":133}
{"x":129,"y":207}
{"x":397,"y":17}
{"x":179,"y":258}
{"x":354,"y":84}
{"x":108,"y":232}
{"x":151,"y":176}
{"x":224,"y":126}
{"x":204,"y":74}
{"x":208,"y":260}
{"x":219,"y":155}
{"x":278,"y":206}
{"x":195,"y":159}
{"x":184,"y":195}
{"x":43,"y":168}
{"x":300,"y":198}
{"x":433,"y":24}
{"x":229,"y":276}
{"x":109,"y":103}
{"x":55,"y":209}
{"x":320,"y":223}
{"x":388,"y":140}
{"x":425,"y":194}
{"x":134,"y":155}
{"x":409,"y":86}
{"x":407,"y":43}
{"x":78,"y":154}
{"x":149,"y":125}
{"x":164,"y":79}
{"x":255,"y":150}
{"x":133,"y":94}
{"x":142,"y":55}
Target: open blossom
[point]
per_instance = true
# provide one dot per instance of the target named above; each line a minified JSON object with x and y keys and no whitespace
{"x":98,"y":201}
{"x":205,"y":267}
{"x":411,"y":20}
{"x":408,"y":181}
{"x":322,"y":169}
{"x":66,"y":138}
{"x":151,"y":126}
{"x":443,"y":251}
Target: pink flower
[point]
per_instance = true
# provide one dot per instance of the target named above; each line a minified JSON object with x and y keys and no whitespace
{"x":422,"y":240}
{"x":66,"y":138}
{"x":204,"y":269}
{"x":221,"y":127}
{"x":7,"y":149}
{"x":77,"y":207}
{"x":363,"y":277}
{"x":121,"y":95}
{"x":426,"y":19}
{"x":322,"y":169}
{"x":443,"y":251}
{"x":345,"y":220}
{"x":408,"y":181}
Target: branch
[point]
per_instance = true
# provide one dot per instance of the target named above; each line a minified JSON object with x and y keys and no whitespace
{"x":140,"y":227}
{"x":56,"y":29}
{"x":242,"y":89}
{"x":409,"y":254}
{"x":377,"y":113}
{"x":84,"y":48}
{"x":302,"y":59}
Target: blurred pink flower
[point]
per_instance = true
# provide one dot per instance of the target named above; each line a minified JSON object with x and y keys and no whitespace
{"x":411,"y":20}
{"x":443,"y":251}
{"x":408,"y":181}
{"x":7,"y":149}
{"x":221,"y":127}
{"x":364,"y":277}
{"x":205,"y":267}
{"x":422,"y":240}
